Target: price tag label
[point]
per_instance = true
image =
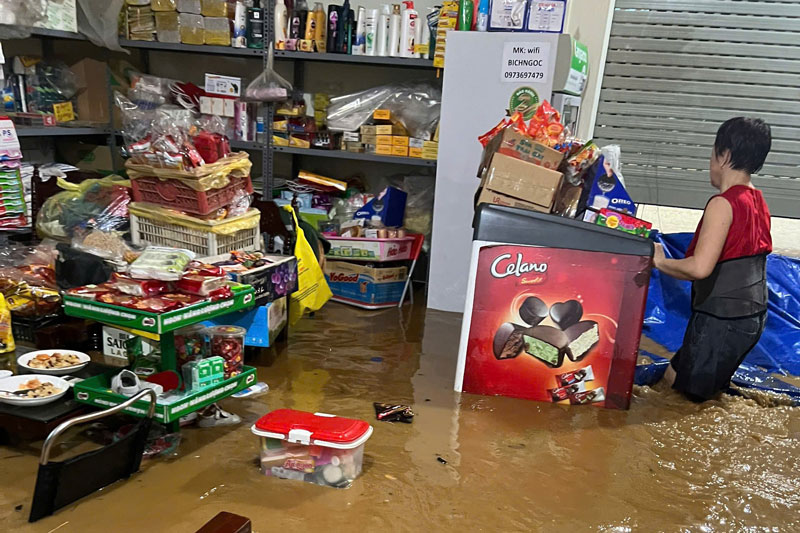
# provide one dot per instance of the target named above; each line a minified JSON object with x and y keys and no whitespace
{"x":64,"y":112}
{"x":526,"y":61}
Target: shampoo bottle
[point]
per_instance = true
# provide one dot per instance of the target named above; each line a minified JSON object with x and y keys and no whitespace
{"x":482,"y":23}
{"x":311,"y":26}
{"x":382,"y":33}
{"x":333,"y":28}
{"x":465,"y":15}
{"x":281,"y":17}
{"x":359,"y":45}
{"x":394,"y":31}
{"x":370,"y":30}
{"x":321,"y":27}
{"x":255,"y":26}
{"x":408,"y":30}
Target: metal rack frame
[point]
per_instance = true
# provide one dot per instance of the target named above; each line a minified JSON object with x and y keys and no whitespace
{"x":267,"y":149}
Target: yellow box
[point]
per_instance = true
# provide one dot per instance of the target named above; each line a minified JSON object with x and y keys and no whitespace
{"x":430,"y":145}
{"x":369,"y":130}
{"x":382,"y":114}
{"x":413,"y":151}
{"x":383,"y":149}
{"x":369,"y":139}
{"x":384,"y":139}
{"x":400,"y":150}
{"x":430,"y":154}
{"x":390,"y":129}
{"x":400,"y":140}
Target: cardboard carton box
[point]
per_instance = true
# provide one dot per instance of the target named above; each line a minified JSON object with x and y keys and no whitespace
{"x":512,"y":143}
{"x":369,"y":130}
{"x":400,"y":151}
{"x":490,"y":197}
{"x":382,"y":114}
{"x":365,"y":285}
{"x":390,"y":129}
{"x":522,"y":180}
{"x":400,"y":140}
{"x":414,"y":152}
{"x":384,"y":139}
{"x":91,"y":77}
{"x":383,"y":149}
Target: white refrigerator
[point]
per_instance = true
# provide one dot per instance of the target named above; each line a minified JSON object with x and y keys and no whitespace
{"x":485,"y":74}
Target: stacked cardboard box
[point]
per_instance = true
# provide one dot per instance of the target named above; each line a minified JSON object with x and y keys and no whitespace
{"x":518,"y":171}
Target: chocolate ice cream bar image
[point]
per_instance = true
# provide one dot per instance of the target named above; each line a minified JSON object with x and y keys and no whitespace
{"x":546,"y":343}
{"x":576,"y":376}
{"x":508,"y":341}
{"x":563,"y":393}
{"x":583,"y":336}
{"x":589,"y":396}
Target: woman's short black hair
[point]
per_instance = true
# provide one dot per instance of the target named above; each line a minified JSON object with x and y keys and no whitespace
{"x":748,"y":140}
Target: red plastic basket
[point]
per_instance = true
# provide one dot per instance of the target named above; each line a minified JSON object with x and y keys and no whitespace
{"x":175,"y":194}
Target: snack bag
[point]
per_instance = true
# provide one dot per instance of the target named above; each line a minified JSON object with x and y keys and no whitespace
{"x":6,"y":335}
{"x":312,"y":289}
{"x":545,"y":125}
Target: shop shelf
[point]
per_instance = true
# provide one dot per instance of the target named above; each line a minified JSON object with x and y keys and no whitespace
{"x":346,"y":58}
{"x":193,"y":48}
{"x":342,"y":154}
{"x":96,"y":391}
{"x":58,"y":131}
{"x":243,"y":298}
{"x":247,"y":145}
{"x":55,"y":34}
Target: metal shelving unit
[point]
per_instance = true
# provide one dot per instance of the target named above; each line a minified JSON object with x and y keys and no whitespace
{"x":192,"y":48}
{"x":265,"y":147}
{"x":360,"y":60}
{"x":357,"y":156}
{"x":59,"y":131}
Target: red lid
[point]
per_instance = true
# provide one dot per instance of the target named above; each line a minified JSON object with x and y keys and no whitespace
{"x":312,"y":428}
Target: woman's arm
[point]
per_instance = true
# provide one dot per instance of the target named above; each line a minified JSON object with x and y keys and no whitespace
{"x":717,"y":220}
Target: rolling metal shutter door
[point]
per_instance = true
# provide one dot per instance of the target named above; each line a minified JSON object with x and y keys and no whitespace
{"x":677,"y":69}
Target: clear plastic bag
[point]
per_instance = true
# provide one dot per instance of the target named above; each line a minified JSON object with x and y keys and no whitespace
{"x":98,"y":20}
{"x":17,"y":17}
{"x":269,"y":86}
{"x":613,"y":158}
{"x":416,"y":106}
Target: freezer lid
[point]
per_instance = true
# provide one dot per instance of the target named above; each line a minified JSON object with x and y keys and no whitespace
{"x":313,"y":428}
{"x":518,"y":226}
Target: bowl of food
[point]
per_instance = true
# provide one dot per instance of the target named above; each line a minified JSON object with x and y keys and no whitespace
{"x":32,"y":389}
{"x":53,"y":362}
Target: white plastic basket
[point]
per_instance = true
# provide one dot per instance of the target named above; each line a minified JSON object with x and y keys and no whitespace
{"x":203,"y":243}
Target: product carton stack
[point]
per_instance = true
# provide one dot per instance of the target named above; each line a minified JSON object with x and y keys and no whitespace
{"x":518,"y":171}
{"x":387,"y":136}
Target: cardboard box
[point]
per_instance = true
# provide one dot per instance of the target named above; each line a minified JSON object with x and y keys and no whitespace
{"x":522,"y":180}
{"x":382,"y":114}
{"x":490,"y":197}
{"x":401,"y":151}
{"x":512,"y":143}
{"x":90,"y":157}
{"x":400,"y":140}
{"x":369,"y":130}
{"x":369,"y":139}
{"x":414,"y":152}
{"x":416,"y":143}
{"x":383,"y":149}
{"x":352,"y":136}
{"x":390,"y":129}
{"x":429,"y":153}
{"x":430,"y":145}
{"x":384,"y":139}
{"x":363,"y":285}
{"x":91,"y":77}
{"x":223,"y":85}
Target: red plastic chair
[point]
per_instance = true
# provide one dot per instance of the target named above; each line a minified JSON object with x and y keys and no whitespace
{"x":416,"y":249}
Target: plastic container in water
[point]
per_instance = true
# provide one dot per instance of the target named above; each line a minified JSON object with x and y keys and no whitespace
{"x":228,"y":343}
{"x":313,"y":447}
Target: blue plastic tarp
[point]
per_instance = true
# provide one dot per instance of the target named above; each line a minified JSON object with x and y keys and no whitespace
{"x":669,"y":306}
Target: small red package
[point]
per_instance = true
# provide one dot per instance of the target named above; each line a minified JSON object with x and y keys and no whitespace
{"x":183,"y":299}
{"x":89,"y":292}
{"x":200,"y":285}
{"x":156,"y":304}
{"x":221,"y":294}
{"x":138,"y":287}
{"x":124,"y":300}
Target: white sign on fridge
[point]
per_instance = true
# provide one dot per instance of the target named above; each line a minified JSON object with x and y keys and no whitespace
{"x":526,"y":61}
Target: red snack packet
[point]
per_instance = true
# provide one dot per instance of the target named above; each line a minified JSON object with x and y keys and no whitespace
{"x":199,"y":284}
{"x":183,"y":299}
{"x":220,"y":294}
{"x":124,"y":300}
{"x":545,"y":125}
{"x":138,"y":287}
{"x":155,"y":304}
{"x":89,"y":292}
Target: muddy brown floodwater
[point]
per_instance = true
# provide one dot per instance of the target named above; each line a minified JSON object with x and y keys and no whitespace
{"x":511,"y":465}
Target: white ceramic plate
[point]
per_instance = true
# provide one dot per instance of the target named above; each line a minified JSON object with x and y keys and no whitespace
{"x":13,"y":383}
{"x":5,"y":373}
{"x":25,"y":359}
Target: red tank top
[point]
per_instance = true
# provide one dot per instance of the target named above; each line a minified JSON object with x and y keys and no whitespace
{"x":749,"y":233}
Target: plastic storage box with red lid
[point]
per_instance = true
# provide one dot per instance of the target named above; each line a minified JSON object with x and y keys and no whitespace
{"x":314,"y":447}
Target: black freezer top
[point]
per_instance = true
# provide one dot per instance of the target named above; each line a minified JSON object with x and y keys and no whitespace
{"x":518,"y":226}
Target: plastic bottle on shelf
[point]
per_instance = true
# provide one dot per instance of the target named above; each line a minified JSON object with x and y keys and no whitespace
{"x":465,"y":15}
{"x":321,"y":27}
{"x":482,"y":22}
{"x":301,"y":8}
{"x":255,"y":26}
{"x":408,"y":30}
{"x":360,"y":40}
{"x":239,"y":23}
{"x":333,"y":28}
{"x":370,"y":32}
{"x":394,"y":31}
{"x":281,"y":21}
{"x":382,"y":32}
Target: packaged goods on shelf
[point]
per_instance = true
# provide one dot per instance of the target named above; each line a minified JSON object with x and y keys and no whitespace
{"x":163,"y":5}
{"x":168,"y":27}
{"x":447,"y":21}
{"x":194,"y":7}
{"x":217,"y":31}
{"x":192,"y":28}
{"x":141,"y":23}
{"x":365,"y":285}
{"x":214,"y":8}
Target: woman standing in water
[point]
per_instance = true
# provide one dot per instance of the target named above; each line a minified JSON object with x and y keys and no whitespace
{"x":726,"y":261}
